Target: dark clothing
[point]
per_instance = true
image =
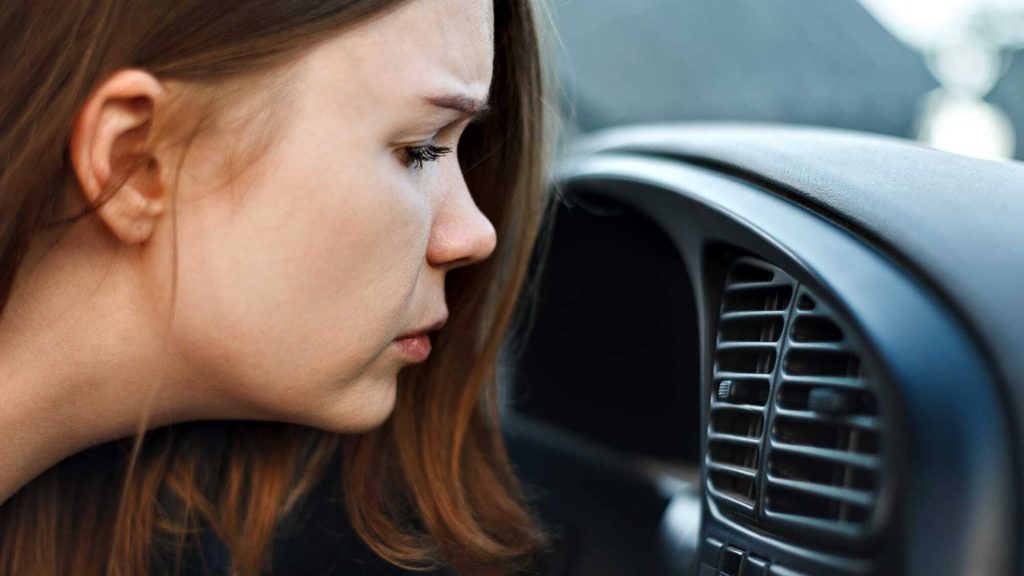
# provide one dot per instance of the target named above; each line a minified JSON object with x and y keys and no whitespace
{"x":315,"y":540}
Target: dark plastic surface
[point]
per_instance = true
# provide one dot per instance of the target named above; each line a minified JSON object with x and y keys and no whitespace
{"x":954,"y":513}
{"x":958,"y":221}
{"x":607,"y":275}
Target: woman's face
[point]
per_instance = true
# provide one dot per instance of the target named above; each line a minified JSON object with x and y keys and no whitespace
{"x":295,"y":280}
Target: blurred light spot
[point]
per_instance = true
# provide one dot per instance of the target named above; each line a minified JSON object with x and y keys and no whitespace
{"x":965,"y":125}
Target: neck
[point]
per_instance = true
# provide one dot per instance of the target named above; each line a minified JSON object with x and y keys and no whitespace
{"x":79,"y":365}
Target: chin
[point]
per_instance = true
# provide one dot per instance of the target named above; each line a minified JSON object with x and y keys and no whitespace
{"x":366,"y":405}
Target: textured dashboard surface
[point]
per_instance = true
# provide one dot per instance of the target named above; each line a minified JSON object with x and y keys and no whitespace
{"x":961,"y":513}
{"x":958,"y":221}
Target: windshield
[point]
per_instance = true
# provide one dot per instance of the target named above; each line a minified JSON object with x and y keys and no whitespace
{"x":940,"y":71}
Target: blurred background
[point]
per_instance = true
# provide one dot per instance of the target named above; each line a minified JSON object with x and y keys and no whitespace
{"x":949,"y":73}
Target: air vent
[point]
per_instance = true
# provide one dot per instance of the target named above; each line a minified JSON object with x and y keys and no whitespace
{"x":754,"y":309}
{"x":823,"y":454}
{"x":793,"y":440}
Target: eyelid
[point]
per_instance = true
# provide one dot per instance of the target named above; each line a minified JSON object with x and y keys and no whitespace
{"x":416,"y":155}
{"x":451,"y":131}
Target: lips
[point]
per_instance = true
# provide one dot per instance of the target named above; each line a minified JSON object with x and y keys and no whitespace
{"x":415,"y":346}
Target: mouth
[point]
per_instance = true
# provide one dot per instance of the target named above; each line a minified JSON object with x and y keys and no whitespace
{"x":414,"y":348}
{"x":416,"y":345}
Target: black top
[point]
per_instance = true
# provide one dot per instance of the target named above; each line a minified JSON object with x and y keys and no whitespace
{"x":315,"y":540}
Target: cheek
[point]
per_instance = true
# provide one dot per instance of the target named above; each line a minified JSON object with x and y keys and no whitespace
{"x":298,"y":283}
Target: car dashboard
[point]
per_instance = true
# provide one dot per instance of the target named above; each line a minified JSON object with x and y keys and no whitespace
{"x":763,"y":350}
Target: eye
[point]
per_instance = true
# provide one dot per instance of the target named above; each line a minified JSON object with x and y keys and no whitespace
{"x":415,"y":156}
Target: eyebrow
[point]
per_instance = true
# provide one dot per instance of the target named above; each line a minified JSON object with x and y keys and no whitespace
{"x":467,"y":106}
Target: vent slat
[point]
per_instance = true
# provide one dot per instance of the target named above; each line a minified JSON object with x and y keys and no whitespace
{"x":751,"y":330}
{"x":845,"y":495}
{"x":717,"y":436}
{"x":867,"y":461}
{"x":801,"y":503}
{"x":759,"y":314}
{"x":857,"y":421}
{"x":727,"y":375}
{"x":727,"y":345}
{"x":750,"y":345}
{"x":747,"y":286}
{"x":734,"y":470}
{"x":750,"y":298}
{"x":739,"y":487}
{"x":843,"y":381}
{"x":719,"y":406}
{"x":819,"y":346}
{"x":823,"y":434}
{"x":729,"y":499}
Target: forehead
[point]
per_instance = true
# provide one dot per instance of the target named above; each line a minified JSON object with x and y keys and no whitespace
{"x":421,"y":47}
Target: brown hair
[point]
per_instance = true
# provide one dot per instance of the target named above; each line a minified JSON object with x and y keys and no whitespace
{"x":433,"y":485}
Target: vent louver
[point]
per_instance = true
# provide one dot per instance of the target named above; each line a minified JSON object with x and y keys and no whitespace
{"x":793,"y":429}
{"x":750,"y":330}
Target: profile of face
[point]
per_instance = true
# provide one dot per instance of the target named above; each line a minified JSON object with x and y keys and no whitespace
{"x":295,"y":278}
{"x":293,"y":290}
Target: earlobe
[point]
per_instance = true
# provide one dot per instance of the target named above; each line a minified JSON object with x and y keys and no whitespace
{"x":118,"y":171}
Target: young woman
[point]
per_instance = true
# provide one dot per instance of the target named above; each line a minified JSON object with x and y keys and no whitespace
{"x":244,"y":244}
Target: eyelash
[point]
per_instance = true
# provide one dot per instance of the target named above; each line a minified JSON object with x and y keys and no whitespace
{"x":415,"y":156}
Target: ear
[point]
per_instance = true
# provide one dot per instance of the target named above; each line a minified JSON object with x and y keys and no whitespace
{"x":109,"y":154}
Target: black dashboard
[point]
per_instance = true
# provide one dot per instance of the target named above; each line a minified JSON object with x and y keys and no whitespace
{"x":763,"y":350}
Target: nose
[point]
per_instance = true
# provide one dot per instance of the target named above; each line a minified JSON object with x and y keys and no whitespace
{"x":461,"y":234}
